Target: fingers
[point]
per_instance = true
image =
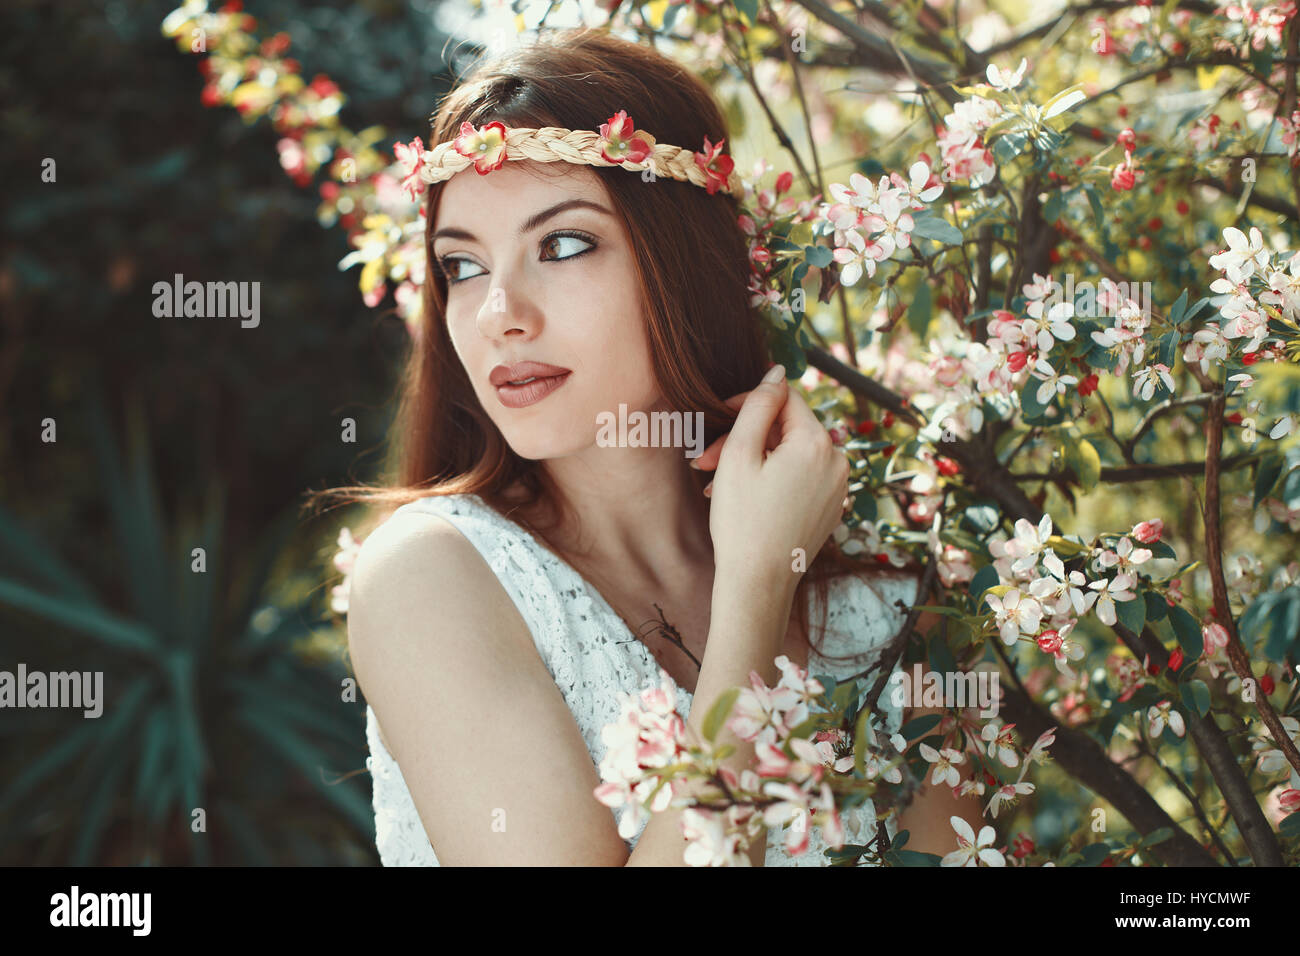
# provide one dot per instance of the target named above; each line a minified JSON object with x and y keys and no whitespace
{"x":759,"y":410}
{"x":710,"y":457}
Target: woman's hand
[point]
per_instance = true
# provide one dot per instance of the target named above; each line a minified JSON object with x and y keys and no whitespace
{"x":780,"y":482}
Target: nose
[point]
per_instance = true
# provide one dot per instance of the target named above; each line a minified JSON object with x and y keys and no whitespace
{"x":508,"y":309}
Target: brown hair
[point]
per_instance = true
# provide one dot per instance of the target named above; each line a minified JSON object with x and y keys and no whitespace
{"x":706,"y":341}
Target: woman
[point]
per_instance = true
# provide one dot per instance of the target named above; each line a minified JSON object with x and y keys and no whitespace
{"x":496,"y":615}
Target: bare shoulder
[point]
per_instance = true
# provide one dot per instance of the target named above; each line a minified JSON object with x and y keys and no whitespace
{"x":485,"y":741}
{"x":413,"y":557}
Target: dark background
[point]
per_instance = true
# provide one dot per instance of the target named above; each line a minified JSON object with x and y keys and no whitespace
{"x":222,"y":688}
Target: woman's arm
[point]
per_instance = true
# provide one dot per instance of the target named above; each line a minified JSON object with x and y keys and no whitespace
{"x":747,"y":626}
{"x":491,"y":754}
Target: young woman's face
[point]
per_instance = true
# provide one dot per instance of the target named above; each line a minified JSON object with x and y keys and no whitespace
{"x":539,"y":269}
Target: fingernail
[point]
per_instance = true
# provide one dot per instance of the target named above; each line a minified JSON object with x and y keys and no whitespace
{"x":695,"y":463}
{"x":774,"y":374}
{"x":708,"y":490}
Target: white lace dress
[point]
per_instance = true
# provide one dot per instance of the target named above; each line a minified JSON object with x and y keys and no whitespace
{"x":592,"y":655}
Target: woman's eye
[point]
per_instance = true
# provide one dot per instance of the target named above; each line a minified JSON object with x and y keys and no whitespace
{"x":555,"y":248}
{"x":554,"y":243}
{"x":449,"y":266}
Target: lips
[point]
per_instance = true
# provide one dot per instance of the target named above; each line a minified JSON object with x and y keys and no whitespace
{"x":520,"y":396}
{"x":521,"y":371}
{"x":535,"y":380}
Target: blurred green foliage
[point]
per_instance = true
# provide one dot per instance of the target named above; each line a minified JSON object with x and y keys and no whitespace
{"x":222,"y":687}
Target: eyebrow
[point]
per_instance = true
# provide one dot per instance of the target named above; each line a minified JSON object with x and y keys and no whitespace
{"x":529,"y":224}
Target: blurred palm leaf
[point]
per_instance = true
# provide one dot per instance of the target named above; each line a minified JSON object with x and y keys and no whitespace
{"x":202,"y":708}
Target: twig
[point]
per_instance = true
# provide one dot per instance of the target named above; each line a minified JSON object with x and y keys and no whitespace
{"x":1214,"y":562}
{"x":1143,"y":472}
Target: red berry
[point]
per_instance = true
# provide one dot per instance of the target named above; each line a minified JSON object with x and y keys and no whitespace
{"x":1176,"y":659}
{"x":1154,"y":223}
{"x":1266,"y":684}
{"x":866,"y":427}
{"x":1183,"y":208}
{"x":887,"y":419}
{"x":1145,"y":242}
{"x":1055,"y":255}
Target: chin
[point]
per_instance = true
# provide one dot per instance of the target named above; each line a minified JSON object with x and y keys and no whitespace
{"x":538,"y":444}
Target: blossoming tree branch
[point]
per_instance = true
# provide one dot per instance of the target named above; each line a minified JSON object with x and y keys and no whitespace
{"x":1042,"y":283}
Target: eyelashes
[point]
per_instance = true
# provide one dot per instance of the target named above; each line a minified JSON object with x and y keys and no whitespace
{"x":446,"y":265}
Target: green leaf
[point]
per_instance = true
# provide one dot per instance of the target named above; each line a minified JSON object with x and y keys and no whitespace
{"x":1081,"y":456}
{"x":1157,"y":606}
{"x":864,"y":506}
{"x":985,"y":578}
{"x":1188,"y":631}
{"x":719,"y":713}
{"x":1266,"y":476}
{"x":919,"y":727}
{"x":1094,"y":200}
{"x":749,"y":10}
{"x":1067,"y":99}
{"x":1273,"y":620}
{"x":1195,"y":310}
{"x":915,"y":858}
{"x":670,"y":17}
{"x":939,"y":654}
{"x":860,"y":740}
{"x":1168,"y":347}
{"x":1132,"y":614}
{"x":1290,"y":826}
{"x":91,"y":621}
{"x":1008,"y":146}
{"x":919,"y":312}
{"x":1176,"y":311}
{"x":1030,"y":405}
{"x":1159,"y":549}
{"x":1094,"y":853}
{"x":1155,"y":837}
{"x":1196,"y":696}
{"x":819,"y":256}
{"x":1054,"y":206}
{"x":936,"y":227}
{"x":25,"y":555}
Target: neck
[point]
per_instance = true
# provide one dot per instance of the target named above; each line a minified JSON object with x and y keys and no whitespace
{"x":640,"y":514}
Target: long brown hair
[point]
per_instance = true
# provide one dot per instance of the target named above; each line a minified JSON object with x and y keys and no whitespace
{"x":706,"y":341}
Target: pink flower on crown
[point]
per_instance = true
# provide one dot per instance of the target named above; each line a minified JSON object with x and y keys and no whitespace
{"x":486,"y":146}
{"x":411,"y":156}
{"x":620,"y":140}
{"x":717,"y":166}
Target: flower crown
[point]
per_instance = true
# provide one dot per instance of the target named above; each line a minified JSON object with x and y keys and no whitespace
{"x":618,"y":143}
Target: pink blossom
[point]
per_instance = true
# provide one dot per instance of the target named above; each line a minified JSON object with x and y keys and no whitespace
{"x":1148,"y":532}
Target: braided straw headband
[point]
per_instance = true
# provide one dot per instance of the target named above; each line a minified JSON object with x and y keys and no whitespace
{"x":617,"y":143}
